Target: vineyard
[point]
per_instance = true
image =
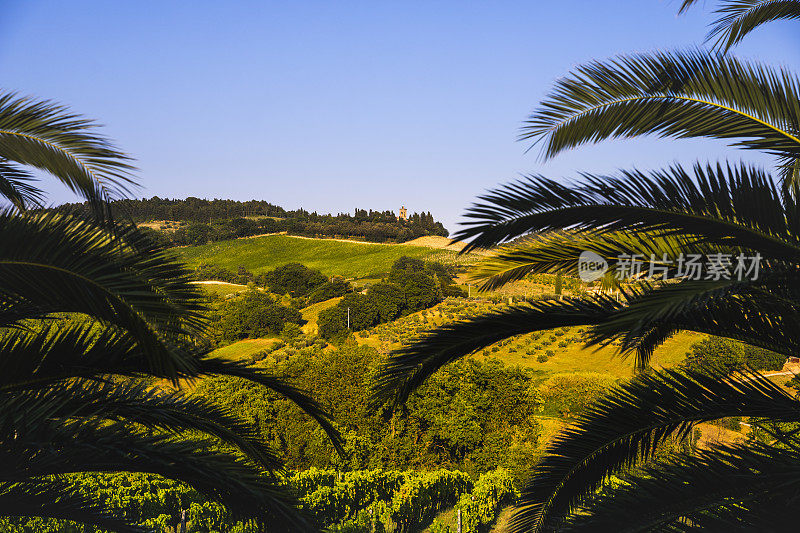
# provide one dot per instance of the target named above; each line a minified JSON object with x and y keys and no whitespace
{"x":548,"y":352}
{"x":346,"y":502}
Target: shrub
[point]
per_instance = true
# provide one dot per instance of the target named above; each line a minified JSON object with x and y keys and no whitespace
{"x":570,"y":394}
{"x":294,"y":279}
{"x":254,"y":314}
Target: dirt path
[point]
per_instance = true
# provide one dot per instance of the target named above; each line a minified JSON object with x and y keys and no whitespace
{"x":503,"y":519}
{"x":435,"y":242}
{"x":214,"y":282}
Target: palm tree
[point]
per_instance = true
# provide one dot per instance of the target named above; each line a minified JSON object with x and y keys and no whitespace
{"x":90,"y":310}
{"x":735,"y":211}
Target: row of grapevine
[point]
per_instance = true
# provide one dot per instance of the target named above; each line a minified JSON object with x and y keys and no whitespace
{"x":480,"y":507}
{"x":347,"y":502}
{"x":420,"y":498}
{"x":354,"y":491}
{"x":149,"y":500}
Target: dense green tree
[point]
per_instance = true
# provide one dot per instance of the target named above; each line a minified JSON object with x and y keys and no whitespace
{"x":715,"y":211}
{"x":363,"y":310}
{"x":405,"y":265}
{"x":228,"y":219}
{"x":413,"y":285}
{"x":254,"y":314}
{"x":294,"y":279}
{"x":213,"y":272}
{"x":332,"y":323}
{"x":389,"y":298}
{"x":195,"y":234}
{"x":419,"y":281}
{"x":330,"y":289}
{"x":421,"y":290}
{"x":725,"y":356}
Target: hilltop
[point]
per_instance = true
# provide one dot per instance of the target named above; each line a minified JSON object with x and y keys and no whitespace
{"x":197,"y":221}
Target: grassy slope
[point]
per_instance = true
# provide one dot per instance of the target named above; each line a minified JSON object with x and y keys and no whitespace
{"x":259,"y":254}
{"x":311,"y":313}
{"x":569,"y":359}
{"x":244,"y":348}
{"x":576,"y":358}
{"x":223,"y":290}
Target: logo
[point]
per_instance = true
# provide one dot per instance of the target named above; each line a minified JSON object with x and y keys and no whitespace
{"x":591,"y":266}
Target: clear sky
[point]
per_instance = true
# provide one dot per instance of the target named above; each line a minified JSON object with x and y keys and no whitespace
{"x":333,"y":105}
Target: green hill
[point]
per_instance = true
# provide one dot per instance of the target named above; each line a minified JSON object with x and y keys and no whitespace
{"x":331,"y":257}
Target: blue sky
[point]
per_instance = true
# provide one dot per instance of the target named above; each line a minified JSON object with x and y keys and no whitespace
{"x":335,"y":105}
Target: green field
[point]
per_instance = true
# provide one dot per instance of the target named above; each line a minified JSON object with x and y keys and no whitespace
{"x":244,"y":348}
{"x":348,"y":259}
{"x":223,"y":289}
{"x":311,"y":313}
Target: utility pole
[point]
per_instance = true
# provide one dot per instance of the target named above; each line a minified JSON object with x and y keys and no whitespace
{"x":348,"y":318}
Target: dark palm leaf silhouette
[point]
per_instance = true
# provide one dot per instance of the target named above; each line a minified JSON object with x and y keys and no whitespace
{"x":540,"y":225}
{"x":737,"y":18}
{"x":91,"y":310}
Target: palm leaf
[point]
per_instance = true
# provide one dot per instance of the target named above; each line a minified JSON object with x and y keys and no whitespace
{"x":677,"y":94}
{"x":709,"y":482}
{"x":737,"y":18}
{"x":225,"y":367}
{"x":737,"y":310}
{"x":560,"y":252}
{"x":51,"y":498}
{"x":15,"y":185}
{"x":52,"y":263}
{"x":733,"y":206}
{"x":46,"y":136}
{"x":58,"y":448}
{"x":626,"y":427}
{"x":149,"y":407}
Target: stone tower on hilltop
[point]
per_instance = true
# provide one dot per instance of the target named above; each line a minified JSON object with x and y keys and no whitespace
{"x":402,"y":214}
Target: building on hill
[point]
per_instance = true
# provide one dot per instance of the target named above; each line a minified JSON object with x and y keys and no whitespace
{"x":402,"y":214}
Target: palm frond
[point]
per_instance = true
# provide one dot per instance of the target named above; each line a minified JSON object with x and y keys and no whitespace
{"x":727,"y":205}
{"x":34,"y":360}
{"x":149,"y":407}
{"x":560,"y":252}
{"x":736,"y":310}
{"x":57,"y":447}
{"x":672,"y":94}
{"x":48,"y":137}
{"x":708,"y":482}
{"x":225,"y":367}
{"x":39,"y":358}
{"x":15,"y":185}
{"x":51,"y":498}
{"x":407,"y":368}
{"x":627,"y":426}
{"x":737,"y":18}
{"x":52,"y":263}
